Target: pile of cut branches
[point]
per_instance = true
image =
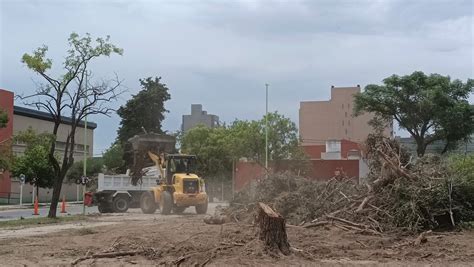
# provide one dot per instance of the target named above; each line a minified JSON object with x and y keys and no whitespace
{"x":401,"y":194}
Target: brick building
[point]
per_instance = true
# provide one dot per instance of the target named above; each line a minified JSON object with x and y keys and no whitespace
{"x":21,"y":118}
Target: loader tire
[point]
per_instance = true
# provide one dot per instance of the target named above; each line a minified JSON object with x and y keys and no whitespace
{"x":147,"y":203}
{"x":202,"y":208}
{"x":166,"y":203}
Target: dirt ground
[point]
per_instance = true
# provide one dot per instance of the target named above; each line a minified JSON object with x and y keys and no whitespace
{"x":186,"y":240}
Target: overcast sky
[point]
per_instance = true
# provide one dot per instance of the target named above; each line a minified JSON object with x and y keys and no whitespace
{"x":221,"y":53}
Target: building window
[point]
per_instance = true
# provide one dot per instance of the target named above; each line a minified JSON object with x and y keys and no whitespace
{"x":349,"y":123}
{"x":342,"y":122}
{"x":343,"y":106}
{"x":346,"y":131}
{"x":346,"y":114}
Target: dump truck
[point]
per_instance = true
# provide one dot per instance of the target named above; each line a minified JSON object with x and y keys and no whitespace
{"x":116,"y":193}
{"x":175,"y":188}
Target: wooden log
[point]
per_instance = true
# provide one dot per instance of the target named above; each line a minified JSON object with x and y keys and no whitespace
{"x":215,"y":219}
{"x":106,"y":255}
{"x":272,"y":229}
{"x":316,"y":224}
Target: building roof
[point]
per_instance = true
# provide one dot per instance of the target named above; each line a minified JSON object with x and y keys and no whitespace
{"x":22,"y":111}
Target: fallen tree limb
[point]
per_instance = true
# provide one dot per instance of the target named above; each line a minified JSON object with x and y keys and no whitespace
{"x":364,"y":202}
{"x":316,"y":224}
{"x":106,"y":255}
{"x":357,"y":225}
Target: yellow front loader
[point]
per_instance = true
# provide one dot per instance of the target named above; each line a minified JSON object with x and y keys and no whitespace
{"x":178,"y":188}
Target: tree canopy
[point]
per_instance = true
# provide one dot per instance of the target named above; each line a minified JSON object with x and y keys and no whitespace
{"x":430,"y":107}
{"x":146,"y":109}
{"x":5,"y":146}
{"x":113,"y":158}
{"x":3,"y":118}
{"x":216,"y":148}
{"x":34,"y":163}
{"x":93,"y":167}
{"x":75,"y":94}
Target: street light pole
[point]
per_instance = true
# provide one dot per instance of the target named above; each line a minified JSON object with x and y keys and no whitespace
{"x":266,"y":128}
{"x":85,"y":153}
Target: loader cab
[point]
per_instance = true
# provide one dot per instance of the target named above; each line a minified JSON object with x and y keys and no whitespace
{"x":178,"y":163}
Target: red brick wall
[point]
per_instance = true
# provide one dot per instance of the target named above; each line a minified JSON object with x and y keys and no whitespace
{"x":347,"y":145}
{"x":314,"y":151}
{"x":246,"y":172}
{"x":322,"y":170}
{"x":6,"y":103}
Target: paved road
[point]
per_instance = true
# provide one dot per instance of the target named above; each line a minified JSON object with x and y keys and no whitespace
{"x":71,"y":209}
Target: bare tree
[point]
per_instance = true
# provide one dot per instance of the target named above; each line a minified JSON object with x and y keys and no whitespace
{"x":71,"y":95}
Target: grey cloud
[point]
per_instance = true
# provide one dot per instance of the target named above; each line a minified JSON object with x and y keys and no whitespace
{"x":221,"y":53}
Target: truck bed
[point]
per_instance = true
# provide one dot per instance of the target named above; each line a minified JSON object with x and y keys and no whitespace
{"x":122,"y":182}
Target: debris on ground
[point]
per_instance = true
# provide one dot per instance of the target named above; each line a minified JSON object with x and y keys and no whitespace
{"x":402,"y":195}
{"x":217,"y":218}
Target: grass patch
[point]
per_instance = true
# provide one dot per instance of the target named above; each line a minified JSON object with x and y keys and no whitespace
{"x":41,"y":221}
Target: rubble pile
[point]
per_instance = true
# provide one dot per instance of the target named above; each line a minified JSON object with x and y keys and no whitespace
{"x":402,"y":194}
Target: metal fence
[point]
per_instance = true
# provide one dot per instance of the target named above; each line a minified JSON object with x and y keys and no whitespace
{"x":9,"y":197}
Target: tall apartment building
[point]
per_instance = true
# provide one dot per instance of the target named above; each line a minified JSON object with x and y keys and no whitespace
{"x":198,"y":117}
{"x":320,"y":121}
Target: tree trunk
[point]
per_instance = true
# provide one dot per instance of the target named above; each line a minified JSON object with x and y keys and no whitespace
{"x":272,"y":229}
{"x":420,"y":147}
{"x":56,"y":195}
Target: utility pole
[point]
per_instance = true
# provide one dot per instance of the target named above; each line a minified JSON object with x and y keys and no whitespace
{"x":266,"y":128}
{"x":85,"y":153}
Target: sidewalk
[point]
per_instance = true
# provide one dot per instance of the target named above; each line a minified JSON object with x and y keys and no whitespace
{"x":30,"y":205}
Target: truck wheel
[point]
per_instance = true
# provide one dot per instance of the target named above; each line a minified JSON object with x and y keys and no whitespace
{"x":178,"y":210}
{"x":147,"y":203}
{"x":104,"y":208}
{"x":202,"y":208}
{"x":120,"y":204}
{"x":166,"y":203}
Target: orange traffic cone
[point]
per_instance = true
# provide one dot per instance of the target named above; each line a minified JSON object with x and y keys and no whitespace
{"x":36,"y":207}
{"x":63,"y":205}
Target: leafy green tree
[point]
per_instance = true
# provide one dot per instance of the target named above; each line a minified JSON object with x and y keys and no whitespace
{"x":73,"y":94}
{"x":247,"y":140}
{"x":3,"y":118}
{"x":216,"y":148}
{"x":113,"y":158}
{"x":211,"y":148}
{"x":5,"y":146}
{"x":34,"y":163}
{"x":5,"y":155}
{"x":430,"y":107}
{"x":93,"y":167}
{"x":282,"y":137}
{"x":145,"y":110}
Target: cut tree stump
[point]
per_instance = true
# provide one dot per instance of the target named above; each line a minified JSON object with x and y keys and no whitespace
{"x":272,"y":229}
